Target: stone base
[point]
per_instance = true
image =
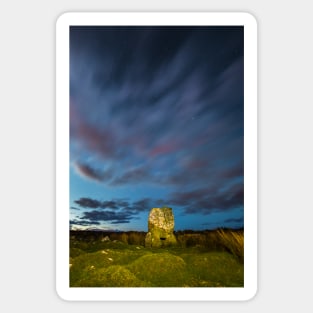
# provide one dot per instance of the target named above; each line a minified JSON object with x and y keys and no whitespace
{"x":159,"y":240}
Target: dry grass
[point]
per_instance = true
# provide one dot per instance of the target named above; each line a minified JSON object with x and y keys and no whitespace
{"x":233,"y":242}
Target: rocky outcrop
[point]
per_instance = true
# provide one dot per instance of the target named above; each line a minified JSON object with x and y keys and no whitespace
{"x":160,"y":228}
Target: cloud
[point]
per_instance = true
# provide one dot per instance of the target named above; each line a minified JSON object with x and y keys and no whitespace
{"x":118,"y":204}
{"x":142,"y":205}
{"x":91,"y":173}
{"x":238,"y":220}
{"x":88,"y":203}
{"x":206,"y":201}
{"x":117,"y":211}
{"x":74,"y":208}
{"x":92,"y":137}
{"x":120,"y":222}
{"x":197,"y":201}
{"x":135,"y":175}
{"x":226,"y":222}
{"x":83,"y":223}
{"x":115,"y":204}
{"x":233,"y":172}
{"x":107,"y":216}
{"x":164,"y":148}
{"x":108,"y":204}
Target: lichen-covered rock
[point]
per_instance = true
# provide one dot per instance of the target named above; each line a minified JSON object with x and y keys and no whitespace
{"x":160,"y":228}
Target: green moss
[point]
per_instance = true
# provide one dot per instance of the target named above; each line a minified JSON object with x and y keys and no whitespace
{"x":214,"y":269}
{"x":161,"y":269}
{"x":112,"y":276}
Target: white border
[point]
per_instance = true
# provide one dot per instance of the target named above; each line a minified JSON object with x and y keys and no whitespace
{"x":62,"y":156}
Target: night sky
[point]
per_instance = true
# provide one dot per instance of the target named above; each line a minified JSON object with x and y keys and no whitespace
{"x":156,"y":119}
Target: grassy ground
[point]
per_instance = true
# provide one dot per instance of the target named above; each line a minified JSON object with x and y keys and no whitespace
{"x":105,"y":263}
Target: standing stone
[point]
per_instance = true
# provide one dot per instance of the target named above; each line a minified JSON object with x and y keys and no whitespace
{"x":160,"y":228}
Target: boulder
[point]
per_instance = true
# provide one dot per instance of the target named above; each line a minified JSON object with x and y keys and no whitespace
{"x":160,"y":228}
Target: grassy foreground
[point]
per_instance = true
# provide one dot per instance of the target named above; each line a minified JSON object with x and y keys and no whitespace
{"x":212,"y":260}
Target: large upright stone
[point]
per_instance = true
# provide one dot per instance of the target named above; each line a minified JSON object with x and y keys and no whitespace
{"x":160,"y":228}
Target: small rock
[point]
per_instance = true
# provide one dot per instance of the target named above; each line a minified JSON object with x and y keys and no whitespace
{"x":106,"y":238}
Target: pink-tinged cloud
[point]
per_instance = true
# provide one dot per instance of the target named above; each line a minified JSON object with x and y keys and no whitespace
{"x":233,"y":172}
{"x":133,"y":176}
{"x":197,"y":163}
{"x":138,"y":143}
{"x":95,"y":139}
{"x":88,"y":172}
{"x":164,"y":148}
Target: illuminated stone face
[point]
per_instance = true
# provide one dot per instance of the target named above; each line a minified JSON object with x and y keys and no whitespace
{"x":160,"y":228}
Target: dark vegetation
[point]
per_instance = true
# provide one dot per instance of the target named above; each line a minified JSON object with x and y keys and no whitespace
{"x":211,"y":258}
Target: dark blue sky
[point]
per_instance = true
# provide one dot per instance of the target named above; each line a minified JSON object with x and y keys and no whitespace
{"x":156,"y":119}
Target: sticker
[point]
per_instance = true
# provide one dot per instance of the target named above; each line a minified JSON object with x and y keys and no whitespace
{"x":156,"y":156}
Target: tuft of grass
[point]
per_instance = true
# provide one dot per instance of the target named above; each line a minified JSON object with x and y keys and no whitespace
{"x":233,"y":242}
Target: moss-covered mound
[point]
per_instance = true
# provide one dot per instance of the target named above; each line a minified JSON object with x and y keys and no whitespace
{"x":160,"y":269}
